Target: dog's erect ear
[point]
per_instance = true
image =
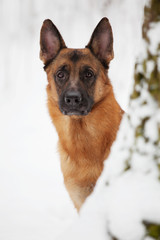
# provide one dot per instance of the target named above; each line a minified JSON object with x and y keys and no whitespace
{"x":101,"y":42}
{"x":51,"y":41}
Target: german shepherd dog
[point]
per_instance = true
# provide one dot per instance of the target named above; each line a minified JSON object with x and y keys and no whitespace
{"x":81,"y":104}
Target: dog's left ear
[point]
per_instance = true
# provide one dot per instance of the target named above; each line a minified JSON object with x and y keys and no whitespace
{"x":101,"y":42}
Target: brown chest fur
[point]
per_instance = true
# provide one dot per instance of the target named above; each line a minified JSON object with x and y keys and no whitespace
{"x":84,"y":144}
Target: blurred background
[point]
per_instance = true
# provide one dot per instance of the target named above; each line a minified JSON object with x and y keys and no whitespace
{"x":33,"y":201}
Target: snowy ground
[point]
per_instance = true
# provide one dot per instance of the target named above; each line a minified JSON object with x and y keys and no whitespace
{"x":33,"y":201}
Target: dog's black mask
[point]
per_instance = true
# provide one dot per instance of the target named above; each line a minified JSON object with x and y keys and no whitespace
{"x":75,"y":102}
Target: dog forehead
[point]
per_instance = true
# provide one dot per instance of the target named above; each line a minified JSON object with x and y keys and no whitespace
{"x":76,"y":58}
{"x":75,"y":55}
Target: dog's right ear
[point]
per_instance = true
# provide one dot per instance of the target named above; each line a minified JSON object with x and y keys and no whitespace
{"x":51,"y":41}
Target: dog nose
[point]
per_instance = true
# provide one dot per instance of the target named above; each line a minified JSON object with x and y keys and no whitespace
{"x":73,"y":98}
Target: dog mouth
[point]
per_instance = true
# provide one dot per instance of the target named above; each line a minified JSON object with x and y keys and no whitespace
{"x":75,"y":112}
{"x":82,"y":110}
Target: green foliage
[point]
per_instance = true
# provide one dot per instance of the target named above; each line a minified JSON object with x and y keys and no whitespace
{"x":140,"y":129}
{"x":152,"y":14}
{"x":146,"y":76}
{"x":154,"y":79}
{"x":127,"y":165}
{"x":138,"y":80}
{"x":152,"y":230}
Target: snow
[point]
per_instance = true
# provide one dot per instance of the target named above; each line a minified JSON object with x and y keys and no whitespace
{"x":120,"y":208}
{"x":34,"y":203}
{"x":152,"y":34}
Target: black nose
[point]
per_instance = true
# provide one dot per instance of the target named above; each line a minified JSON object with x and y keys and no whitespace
{"x":73,"y":98}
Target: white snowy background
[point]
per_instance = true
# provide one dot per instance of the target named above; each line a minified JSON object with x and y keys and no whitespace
{"x":34,"y":204}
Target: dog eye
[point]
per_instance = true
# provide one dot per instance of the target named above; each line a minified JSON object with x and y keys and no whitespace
{"x":88,"y":74}
{"x":60,"y":74}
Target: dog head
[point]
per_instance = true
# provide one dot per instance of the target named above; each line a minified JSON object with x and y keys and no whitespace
{"x":77,"y":78}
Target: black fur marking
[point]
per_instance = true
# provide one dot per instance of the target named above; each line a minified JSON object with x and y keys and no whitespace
{"x":75,"y":56}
